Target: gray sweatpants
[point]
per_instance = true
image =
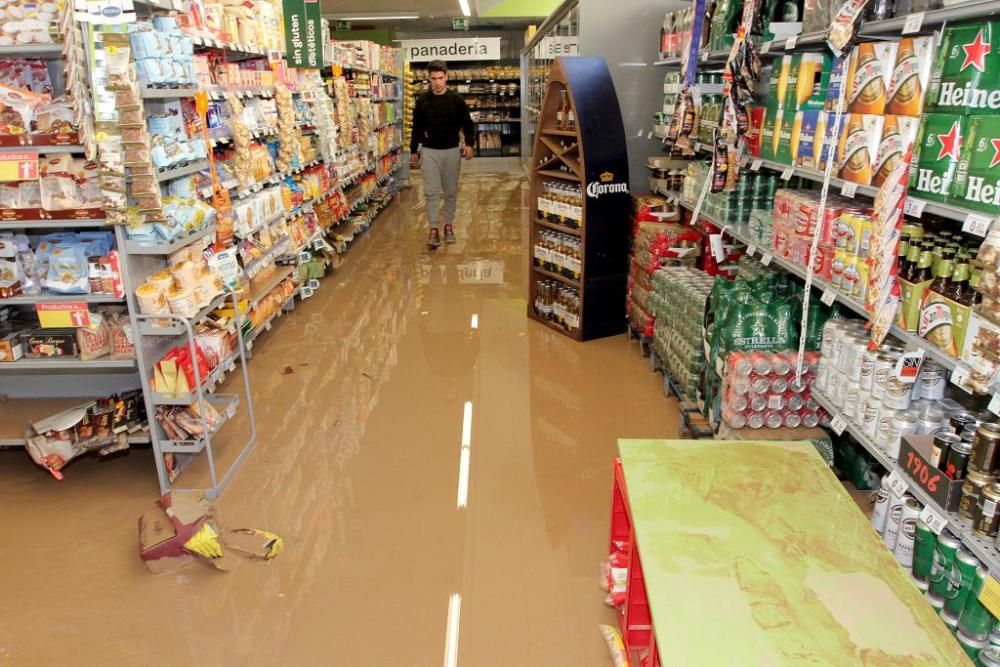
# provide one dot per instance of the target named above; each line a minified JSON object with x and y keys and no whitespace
{"x":440,"y":168}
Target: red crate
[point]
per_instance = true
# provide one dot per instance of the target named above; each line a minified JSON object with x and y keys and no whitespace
{"x":634,"y":616}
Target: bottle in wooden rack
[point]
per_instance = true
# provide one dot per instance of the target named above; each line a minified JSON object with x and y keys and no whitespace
{"x":561,"y":113}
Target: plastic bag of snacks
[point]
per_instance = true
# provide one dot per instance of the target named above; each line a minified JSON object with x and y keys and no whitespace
{"x":613,"y":639}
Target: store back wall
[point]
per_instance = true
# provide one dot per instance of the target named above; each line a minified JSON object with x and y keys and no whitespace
{"x":511,"y":41}
{"x":627,"y":35}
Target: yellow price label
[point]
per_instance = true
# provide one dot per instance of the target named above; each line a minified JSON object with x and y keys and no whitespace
{"x":990,"y":596}
{"x":112,"y":49}
{"x":63,"y":315}
{"x":18,"y":167}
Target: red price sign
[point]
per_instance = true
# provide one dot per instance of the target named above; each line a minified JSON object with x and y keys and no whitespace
{"x":18,"y":167}
{"x":62,"y":315}
{"x":923,"y":474}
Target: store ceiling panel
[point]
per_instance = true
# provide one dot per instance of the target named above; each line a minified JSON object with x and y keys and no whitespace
{"x":516,"y":8}
{"x":442,"y":8}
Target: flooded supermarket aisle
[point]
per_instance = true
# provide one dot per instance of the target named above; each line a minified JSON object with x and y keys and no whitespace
{"x":438,"y":466}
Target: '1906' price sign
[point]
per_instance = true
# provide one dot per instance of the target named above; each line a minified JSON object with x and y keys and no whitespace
{"x":924,"y":475}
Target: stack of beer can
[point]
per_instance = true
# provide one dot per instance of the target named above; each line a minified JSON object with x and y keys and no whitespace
{"x":677,"y":301}
{"x":863,"y":386}
{"x":950,"y":575}
{"x":760,"y":390}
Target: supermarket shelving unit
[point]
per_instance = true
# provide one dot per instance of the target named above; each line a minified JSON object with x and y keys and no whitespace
{"x":596,"y":161}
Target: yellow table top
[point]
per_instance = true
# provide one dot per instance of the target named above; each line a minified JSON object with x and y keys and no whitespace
{"x":754,"y":554}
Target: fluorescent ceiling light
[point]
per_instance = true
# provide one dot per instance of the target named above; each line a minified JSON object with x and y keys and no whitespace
{"x":465,"y":7}
{"x":412,"y":16}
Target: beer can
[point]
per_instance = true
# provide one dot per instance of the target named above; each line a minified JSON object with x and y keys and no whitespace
{"x":972,"y":489}
{"x":950,"y":621}
{"x":760,"y":385}
{"x":866,"y":375}
{"x":780,"y":365}
{"x":741,"y":386}
{"x":936,"y":603}
{"x":742,"y":365}
{"x":794,"y":401}
{"x":932,"y":382}
{"x":774,"y":419}
{"x":924,"y":543}
{"x":929,"y":421}
{"x":960,"y":421}
{"x":756,"y":420}
{"x":851,"y":398}
{"x":779,"y":385}
{"x":995,"y":633}
{"x":885,"y":365}
{"x":739,"y":403}
{"x":986,"y":520}
{"x":835,"y":381}
{"x":897,"y":394}
{"x":907,"y":532}
{"x":940,"y":448}
{"x":904,"y":424}
{"x":758,"y":402}
{"x":963,"y":571}
{"x":869,"y":416}
{"x":990,"y":655}
{"x":944,"y":560}
{"x":793,"y":419}
{"x":986,"y":449}
{"x":821,"y":374}
{"x":886,"y":426}
{"x":958,"y":460}
{"x":881,"y":508}
{"x":892,"y":519}
{"x":761,"y":363}
{"x":809,"y":418}
{"x":736,"y":419}
{"x":976,"y":620}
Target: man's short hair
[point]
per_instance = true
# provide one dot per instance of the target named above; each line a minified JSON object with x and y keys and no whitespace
{"x":437,"y":66}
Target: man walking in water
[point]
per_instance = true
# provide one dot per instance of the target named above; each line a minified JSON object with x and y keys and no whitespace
{"x":438,"y":116}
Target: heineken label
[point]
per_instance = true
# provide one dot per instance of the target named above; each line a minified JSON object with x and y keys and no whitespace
{"x":977,"y":178}
{"x":910,"y":76}
{"x":898,"y":135}
{"x":964,"y":76}
{"x":936,"y":155}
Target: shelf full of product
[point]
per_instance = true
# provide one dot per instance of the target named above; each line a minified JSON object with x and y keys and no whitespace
{"x":863,"y":168}
{"x":208,"y":187}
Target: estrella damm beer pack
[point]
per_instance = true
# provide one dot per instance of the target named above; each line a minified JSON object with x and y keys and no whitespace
{"x":977,"y":178}
{"x":936,"y":154}
{"x":965,"y":78}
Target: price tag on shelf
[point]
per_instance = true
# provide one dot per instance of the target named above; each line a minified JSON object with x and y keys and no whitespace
{"x":787,"y":173}
{"x":704,"y":55}
{"x":751,"y":250}
{"x":306,"y":292}
{"x":839,"y":424}
{"x":960,"y":377}
{"x":933,"y":519}
{"x":791,"y":42}
{"x":914,"y":207}
{"x":756,"y":165}
{"x":994,"y":405}
{"x":977,"y":224}
{"x":66,"y":314}
{"x":765,"y":48}
{"x":829,"y":296}
{"x":849,"y":189}
{"x":718,"y":250}
{"x":766,"y":259}
{"x":20,"y":166}
{"x":908,"y":366}
{"x":897,"y":484}
{"x":304,"y":257}
{"x":990,"y":596}
{"x":913,"y":23}
{"x":313,"y":284}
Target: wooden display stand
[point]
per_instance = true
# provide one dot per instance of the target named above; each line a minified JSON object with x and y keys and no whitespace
{"x":597,"y":162}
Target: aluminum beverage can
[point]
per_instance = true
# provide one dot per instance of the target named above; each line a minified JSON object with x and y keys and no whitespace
{"x":741,"y":386}
{"x":881,"y":509}
{"x":794,"y":401}
{"x":929,"y":422}
{"x":869,"y":416}
{"x":739,"y":403}
{"x":976,"y":620}
{"x":990,"y":655}
{"x":950,"y":620}
{"x":892,"y":519}
{"x":742,"y":365}
{"x":821,"y":375}
{"x":907,"y":532}
{"x":972,"y":489}
{"x":886,"y":425}
{"x":884,"y":367}
{"x":756,"y":420}
{"x":924,"y":543}
{"x":897,"y":394}
{"x":961,"y":420}
{"x":852,"y":397}
{"x":986,"y":520}
{"x":960,"y":581}
{"x":792,"y":419}
{"x":809,"y":419}
{"x":944,"y":560}
{"x":736,"y":419}
{"x":774,"y":419}
{"x":799,"y":385}
{"x":781,"y":365}
{"x":866,"y":377}
{"x":958,"y":460}
{"x":760,"y":385}
{"x":779,"y":385}
{"x":932,"y":382}
{"x":761,"y":363}
{"x":940,"y":448}
{"x":835,"y":382}
{"x":986,"y":449}
{"x":758,"y":402}
{"x":854,"y":349}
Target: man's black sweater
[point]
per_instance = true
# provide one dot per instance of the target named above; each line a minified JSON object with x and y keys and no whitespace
{"x":437,"y":120}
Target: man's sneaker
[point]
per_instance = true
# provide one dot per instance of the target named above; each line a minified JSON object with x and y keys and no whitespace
{"x":433,"y":238}
{"x":449,"y":234}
